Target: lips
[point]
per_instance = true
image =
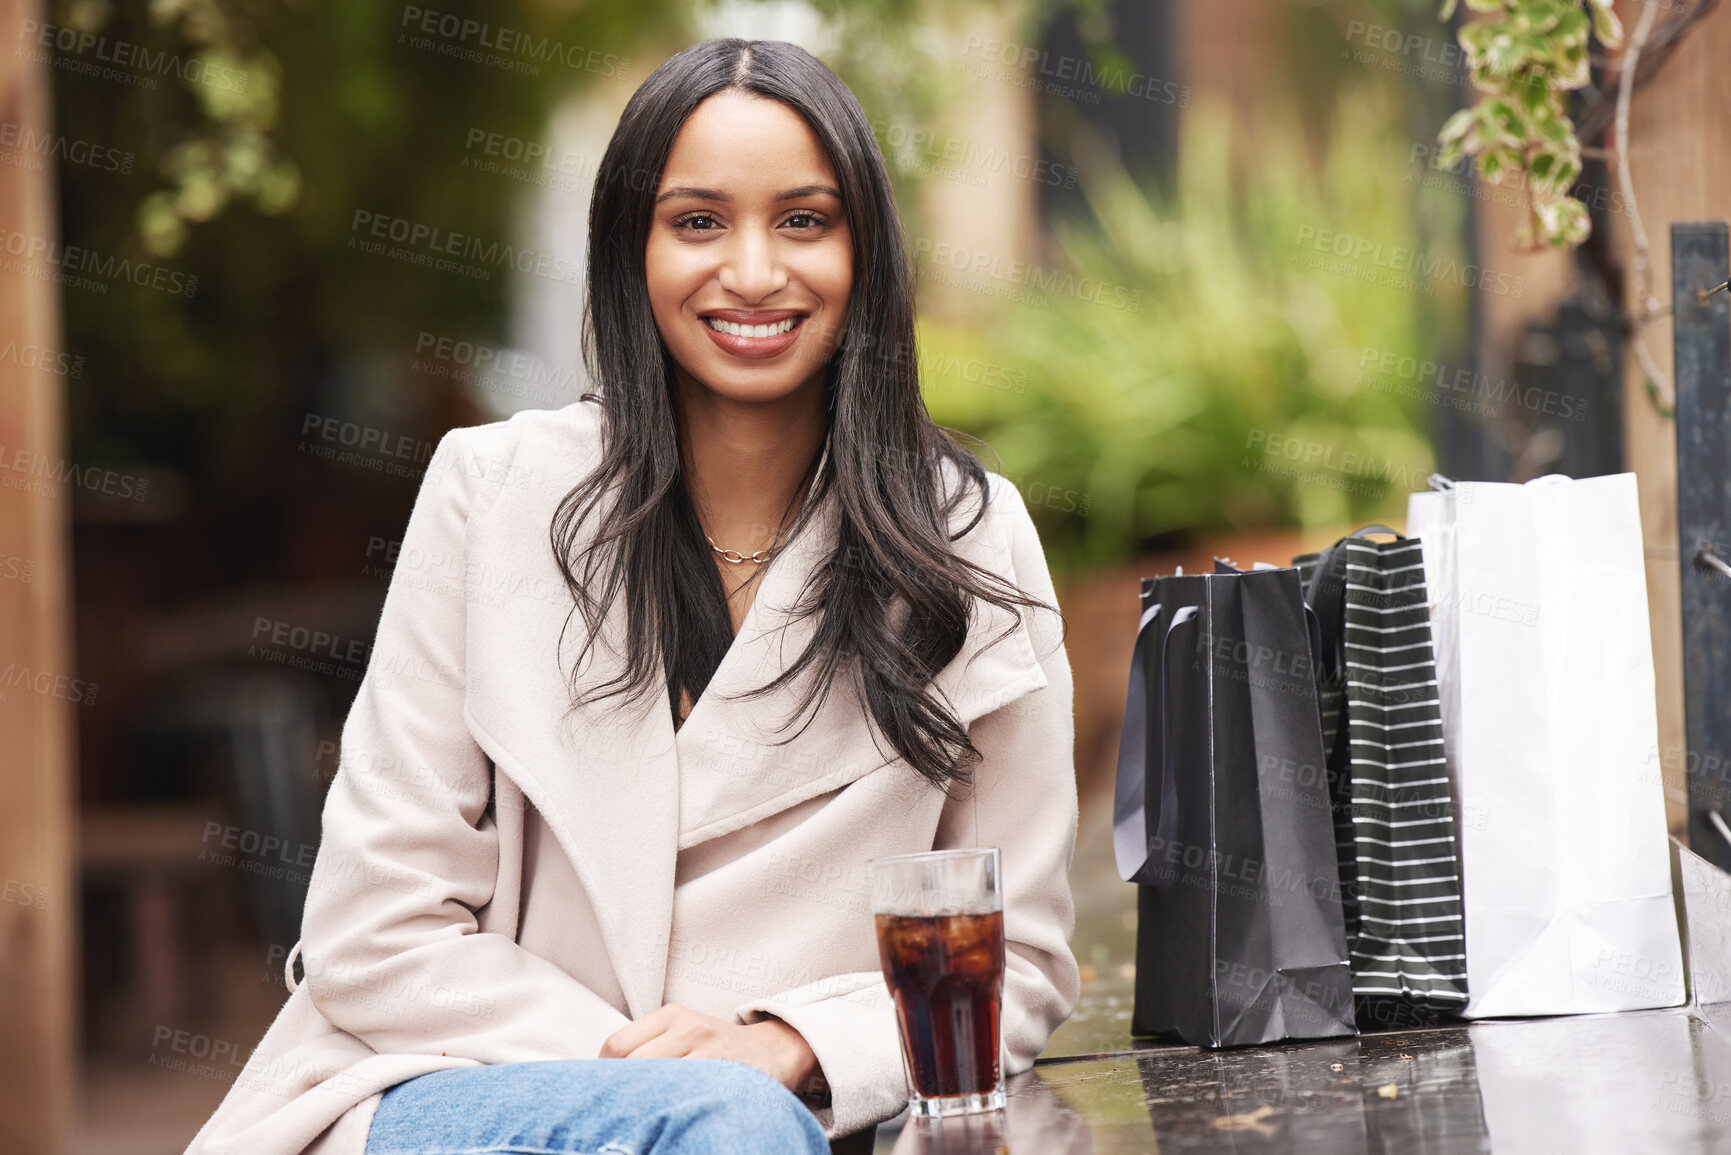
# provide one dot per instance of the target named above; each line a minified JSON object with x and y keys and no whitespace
{"x":748,"y":317}
{"x":753,"y":347}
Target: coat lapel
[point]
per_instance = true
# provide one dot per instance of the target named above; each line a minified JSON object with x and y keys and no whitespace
{"x":620,"y":790}
{"x":736,"y":764}
{"x":604,"y":777}
{"x":743,"y":759}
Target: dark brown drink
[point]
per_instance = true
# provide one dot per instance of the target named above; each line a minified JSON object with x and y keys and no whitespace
{"x":947,"y":975}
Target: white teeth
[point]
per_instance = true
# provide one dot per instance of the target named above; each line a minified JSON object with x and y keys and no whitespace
{"x":751,"y":330}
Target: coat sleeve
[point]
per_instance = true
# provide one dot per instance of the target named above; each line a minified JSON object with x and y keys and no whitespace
{"x":1024,"y":801}
{"x":390,"y":943}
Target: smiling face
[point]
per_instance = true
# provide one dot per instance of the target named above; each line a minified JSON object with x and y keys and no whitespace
{"x":749,"y":259}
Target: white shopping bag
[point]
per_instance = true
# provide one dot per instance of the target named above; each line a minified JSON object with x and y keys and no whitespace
{"x":1545,"y":671}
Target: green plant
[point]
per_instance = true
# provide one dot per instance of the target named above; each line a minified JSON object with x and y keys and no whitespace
{"x":221,"y":131}
{"x":1526,"y":57}
{"x":1179,"y":414}
{"x":226,"y":149}
{"x":349,"y":110}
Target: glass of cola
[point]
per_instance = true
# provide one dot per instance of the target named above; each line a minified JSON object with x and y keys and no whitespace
{"x":940,"y":927}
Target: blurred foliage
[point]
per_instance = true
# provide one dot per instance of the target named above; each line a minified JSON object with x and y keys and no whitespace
{"x":1146,"y":418}
{"x":263,"y":131}
{"x":1526,"y":57}
{"x":287,"y":309}
{"x":236,"y":86}
{"x":1181,"y":415}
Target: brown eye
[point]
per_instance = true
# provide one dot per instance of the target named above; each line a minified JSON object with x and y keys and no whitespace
{"x":690,"y":219}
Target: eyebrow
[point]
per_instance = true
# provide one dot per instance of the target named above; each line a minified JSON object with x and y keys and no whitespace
{"x":715,"y":194}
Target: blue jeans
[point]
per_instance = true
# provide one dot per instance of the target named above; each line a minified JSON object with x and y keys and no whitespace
{"x":596,"y":1107}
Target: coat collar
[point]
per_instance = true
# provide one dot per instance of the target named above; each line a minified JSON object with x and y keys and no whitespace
{"x":619,"y":788}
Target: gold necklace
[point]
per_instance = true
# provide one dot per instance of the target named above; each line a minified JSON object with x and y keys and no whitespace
{"x":758,"y":557}
{"x":735,"y":557}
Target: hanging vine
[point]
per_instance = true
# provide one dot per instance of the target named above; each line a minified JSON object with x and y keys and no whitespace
{"x":1525,"y":56}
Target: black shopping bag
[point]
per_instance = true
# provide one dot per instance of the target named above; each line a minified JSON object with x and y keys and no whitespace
{"x":1222,"y":817}
{"x":1383,"y":738}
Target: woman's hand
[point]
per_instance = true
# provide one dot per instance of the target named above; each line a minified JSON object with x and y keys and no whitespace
{"x":676,"y":1032}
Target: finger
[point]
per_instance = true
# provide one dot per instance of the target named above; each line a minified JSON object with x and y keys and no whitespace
{"x":634,"y":1034}
{"x":674,"y":1044}
{"x":711,"y":1048}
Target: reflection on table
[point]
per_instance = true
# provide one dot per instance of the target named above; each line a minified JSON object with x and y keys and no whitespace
{"x":1646,"y":1081}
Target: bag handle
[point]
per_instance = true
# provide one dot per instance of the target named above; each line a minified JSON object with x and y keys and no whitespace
{"x":1129,"y":814}
{"x":1325,"y":593}
{"x":288,"y":967}
{"x":1166,"y":816}
{"x":1133,"y":830}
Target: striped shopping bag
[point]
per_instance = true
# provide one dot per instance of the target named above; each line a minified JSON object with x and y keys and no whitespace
{"x":1388,"y":781}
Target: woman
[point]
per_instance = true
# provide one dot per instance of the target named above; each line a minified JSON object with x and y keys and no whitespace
{"x":534,"y":865}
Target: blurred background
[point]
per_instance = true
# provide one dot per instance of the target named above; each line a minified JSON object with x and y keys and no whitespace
{"x":1187,"y":267}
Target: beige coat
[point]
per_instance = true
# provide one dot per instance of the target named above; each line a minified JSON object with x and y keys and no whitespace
{"x":500,"y":880}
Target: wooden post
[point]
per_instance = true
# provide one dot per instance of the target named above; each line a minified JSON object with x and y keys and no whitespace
{"x":38,"y":892}
{"x":1701,"y":329}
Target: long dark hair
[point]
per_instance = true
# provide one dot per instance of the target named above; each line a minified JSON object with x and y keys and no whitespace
{"x":884,"y":458}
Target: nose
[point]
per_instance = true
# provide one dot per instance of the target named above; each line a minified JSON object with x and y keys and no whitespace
{"x":751,"y":267}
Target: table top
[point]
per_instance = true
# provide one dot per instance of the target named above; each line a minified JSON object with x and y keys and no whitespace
{"x":1643,"y":1081}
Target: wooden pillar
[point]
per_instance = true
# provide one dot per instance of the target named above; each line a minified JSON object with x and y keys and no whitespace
{"x":1701,"y":342}
{"x":38,"y":893}
{"x":1679,"y":123}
